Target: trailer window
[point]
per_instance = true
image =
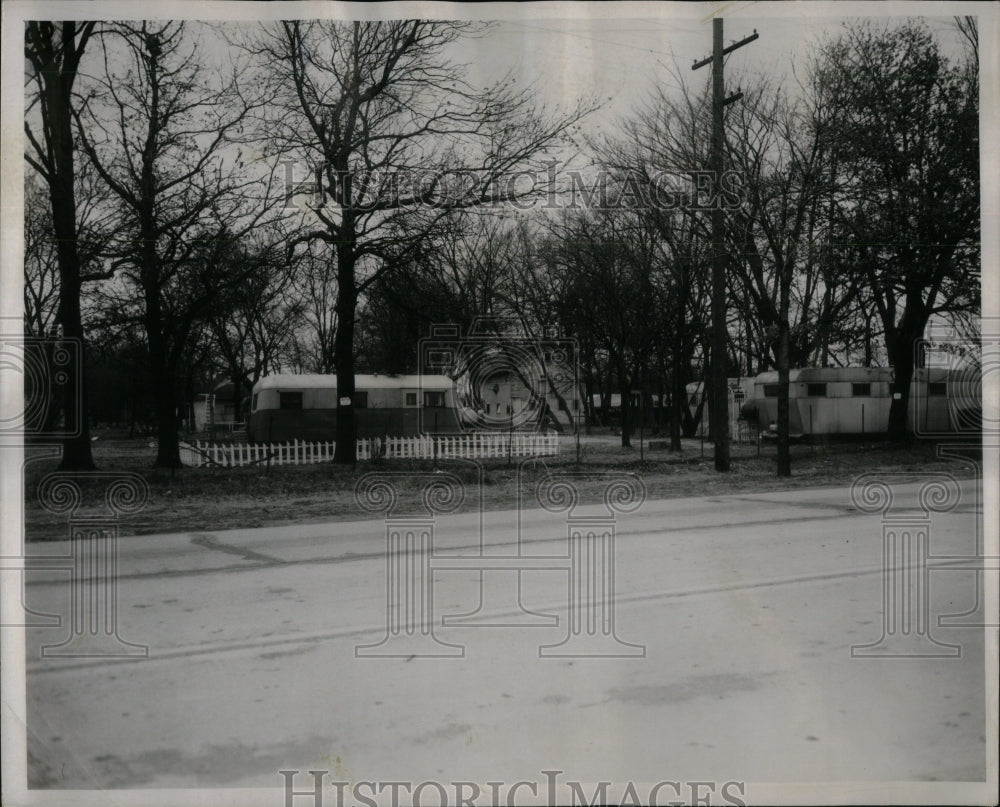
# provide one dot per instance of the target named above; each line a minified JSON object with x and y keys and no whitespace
{"x":411,"y":399}
{"x":816,"y":390}
{"x":433,"y":398}
{"x":290,"y":400}
{"x":770,"y":390}
{"x":861,"y":390}
{"x":937,"y":388}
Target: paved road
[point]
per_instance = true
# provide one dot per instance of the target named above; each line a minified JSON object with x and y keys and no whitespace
{"x":747,"y":607}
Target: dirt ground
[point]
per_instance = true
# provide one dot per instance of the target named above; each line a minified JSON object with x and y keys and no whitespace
{"x":198,"y":499}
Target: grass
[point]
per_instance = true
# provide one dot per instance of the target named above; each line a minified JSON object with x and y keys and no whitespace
{"x":199,"y":499}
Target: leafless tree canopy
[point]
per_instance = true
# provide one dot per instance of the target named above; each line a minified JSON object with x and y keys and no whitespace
{"x":229,"y":201}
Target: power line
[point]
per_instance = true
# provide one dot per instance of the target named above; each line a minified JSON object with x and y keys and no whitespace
{"x":597,"y":39}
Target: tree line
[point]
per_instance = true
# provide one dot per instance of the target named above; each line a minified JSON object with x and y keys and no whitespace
{"x":161,"y":228}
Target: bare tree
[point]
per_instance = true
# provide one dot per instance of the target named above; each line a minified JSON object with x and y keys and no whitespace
{"x":41,"y":263}
{"x":158,"y":128}
{"x":94,"y":226}
{"x":968,"y":28}
{"x":904,"y":135}
{"x":253,"y":322}
{"x":395,"y":136}
{"x":316,"y":282}
{"x":41,"y":298}
{"x":452,"y":277}
{"x":663,"y":147}
{"x":54,"y":51}
{"x":608,"y":261}
{"x":779,"y":149}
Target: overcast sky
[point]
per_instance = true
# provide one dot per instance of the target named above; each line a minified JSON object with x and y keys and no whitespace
{"x":615,"y":52}
{"x":620,"y":60}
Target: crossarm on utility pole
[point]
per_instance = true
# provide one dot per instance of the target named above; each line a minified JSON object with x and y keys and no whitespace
{"x":728,"y":49}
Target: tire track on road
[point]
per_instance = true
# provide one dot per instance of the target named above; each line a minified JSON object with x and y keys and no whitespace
{"x":47,"y":668}
{"x":261,"y":561}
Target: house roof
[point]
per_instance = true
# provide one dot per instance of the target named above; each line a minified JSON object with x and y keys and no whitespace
{"x":298,"y":381}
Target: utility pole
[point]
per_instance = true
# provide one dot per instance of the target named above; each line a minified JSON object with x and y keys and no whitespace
{"x":719,"y":405}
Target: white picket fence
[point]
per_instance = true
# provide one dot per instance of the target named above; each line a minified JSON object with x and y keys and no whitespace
{"x":475,"y":445}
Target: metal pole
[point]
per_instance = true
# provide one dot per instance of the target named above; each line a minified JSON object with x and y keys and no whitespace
{"x":510,"y":434}
{"x":642,"y":424}
{"x":576,"y":424}
{"x":927,"y":396}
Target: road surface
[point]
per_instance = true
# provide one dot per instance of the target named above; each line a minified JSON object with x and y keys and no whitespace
{"x":740,"y":613}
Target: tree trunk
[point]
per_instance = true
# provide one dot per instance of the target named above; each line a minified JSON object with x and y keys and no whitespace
{"x":55,"y":58}
{"x":167,"y":448}
{"x":902,"y":343}
{"x":343,"y":355}
{"x":784,"y":447}
{"x":236,"y":376}
{"x":677,"y":398}
{"x":868,"y":341}
{"x":167,"y":438}
{"x":784,"y":339}
{"x":660,"y":412}
{"x":625,"y":389}
{"x":77,"y":455}
{"x":750,"y":352}
{"x":626,"y":417}
{"x":903,"y":357}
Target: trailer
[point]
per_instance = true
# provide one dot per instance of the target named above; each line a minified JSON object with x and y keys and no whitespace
{"x":304,"y":407}
{"x":856,"y":401}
